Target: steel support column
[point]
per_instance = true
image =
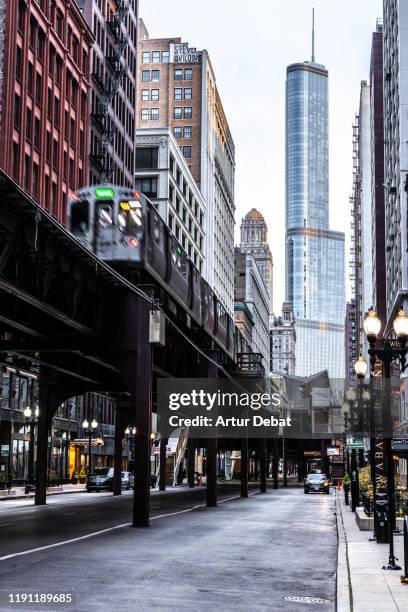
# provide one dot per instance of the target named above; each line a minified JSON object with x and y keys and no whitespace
{"x":117,"y":460}
{"x":190,"y":463}
{"x":211,"y":472}
{"x":136,"y":369}
{"x":275,"y":463}
{"x":262,"y":467}
{"x":49,"y":400}
{"x":244,"y":467}
{"x":162,"y":464}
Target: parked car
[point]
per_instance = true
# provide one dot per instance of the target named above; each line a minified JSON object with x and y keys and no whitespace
{"x":317,"y":483}
{"x":128,"y":480}
{"x":101,"y":479}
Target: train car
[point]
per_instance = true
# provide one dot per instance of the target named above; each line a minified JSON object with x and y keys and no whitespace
{"x":123,"y":228}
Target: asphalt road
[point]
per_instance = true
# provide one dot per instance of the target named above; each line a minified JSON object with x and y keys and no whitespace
{"x":243,"y":555}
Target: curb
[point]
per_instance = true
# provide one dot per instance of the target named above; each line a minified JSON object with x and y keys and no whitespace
{"x":344,"y":591}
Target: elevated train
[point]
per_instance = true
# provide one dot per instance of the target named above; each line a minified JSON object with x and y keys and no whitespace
{"x":123,"y":228}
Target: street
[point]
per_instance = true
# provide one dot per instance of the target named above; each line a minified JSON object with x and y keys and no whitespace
{"x":244,"y":554}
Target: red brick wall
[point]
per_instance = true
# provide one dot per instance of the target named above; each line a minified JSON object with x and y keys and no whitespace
{"x":45,"y":114}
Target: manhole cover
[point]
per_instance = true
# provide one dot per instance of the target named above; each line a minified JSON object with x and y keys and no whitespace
{"x":307,"y":600}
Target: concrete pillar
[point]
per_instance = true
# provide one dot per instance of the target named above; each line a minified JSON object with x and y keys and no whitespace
{"x":117,"y":458}
{"x":244,"y":467}
{"x":162,"y":464}
{"x":190,"y":463}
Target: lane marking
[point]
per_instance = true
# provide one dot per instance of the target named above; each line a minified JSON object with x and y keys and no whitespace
{"x":5,"y":524}
{"x":107,"y":530}
{"x":70,"y":514}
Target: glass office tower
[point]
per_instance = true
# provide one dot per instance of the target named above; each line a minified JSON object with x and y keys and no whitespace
{"x":315,"y":283}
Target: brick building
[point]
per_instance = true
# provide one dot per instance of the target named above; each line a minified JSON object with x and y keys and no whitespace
{"x":176,"y":88}
{"x":44,"y":82}
{"x":113,"y":70}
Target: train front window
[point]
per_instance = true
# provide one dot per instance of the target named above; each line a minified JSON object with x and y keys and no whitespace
{"x":80,"y":217}
{"x":130,"y":215}
{"x":105,"y":215}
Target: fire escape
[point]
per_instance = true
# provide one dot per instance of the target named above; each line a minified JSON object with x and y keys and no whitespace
{"x":108,"y":89}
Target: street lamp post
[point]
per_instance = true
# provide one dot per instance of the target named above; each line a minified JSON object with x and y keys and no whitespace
{"x":31,"y":421}
{"x":90,"y":430}
{"x":387,"y":354}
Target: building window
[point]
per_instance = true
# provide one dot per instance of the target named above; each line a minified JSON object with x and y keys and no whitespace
{"x":155,"y":76}
{"x":171,"y":193}
{"x":155,"y":95}
{"x":29,"y":124}
{"x":147,"y":158}
{"x":188,"y":112}
{"x":165,"y":57}
{"x":177,"y":132}
{"x":38,"y":84}
{"x":147,"y":185}
{"x":154,"y":115}
{"x":35,"y":183}
{"x":145,"y":95}
{"x":145,"y":76}
{"x":178,"y":204}
{"x":15,"y":169}
{"x":146,"y":57}
{"x":178,"y":74}
{"x":178,"y":93}
{"x":188,"y":93}
{"x":187,"y":152}
{"x":156,"y":57}
{"x":187,"y":131}
{"x":145,"y":114}
{"x":188,"y":74}
{"x":19,"y":63}
{"x":37,"y":133}
{"x":27,"y":161}
{"x":177,"y":231}
{"x":172,"y":164}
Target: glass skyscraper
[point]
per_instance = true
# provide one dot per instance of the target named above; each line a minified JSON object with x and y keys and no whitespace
{"x":315,"y":283}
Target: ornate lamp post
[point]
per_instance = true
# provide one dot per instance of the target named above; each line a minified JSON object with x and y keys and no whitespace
{"x":31,"y":420}
{"x":388,"y":352}
{"x":90,"y":430}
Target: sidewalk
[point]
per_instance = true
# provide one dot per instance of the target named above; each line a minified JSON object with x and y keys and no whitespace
{"x":18,"y":492}
{"x":362,"y":584}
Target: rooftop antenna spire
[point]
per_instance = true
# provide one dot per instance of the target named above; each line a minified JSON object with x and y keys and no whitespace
{"x":313,"y":36}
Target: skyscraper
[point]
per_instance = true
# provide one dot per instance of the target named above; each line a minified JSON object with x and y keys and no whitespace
{"x":254,"y":241}
{"x":176,"y":89}
{"x":315,"y":282}
{"x":395,"y":57}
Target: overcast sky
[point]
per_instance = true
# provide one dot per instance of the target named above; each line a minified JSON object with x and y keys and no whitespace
{"x":250,"y":45}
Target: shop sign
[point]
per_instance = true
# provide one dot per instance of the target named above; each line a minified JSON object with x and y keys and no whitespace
{"x":312,"y":454}
{"x":355,"y":442}
{"x":400,"y":443}
{"x":333,"y":451}
{"x":5,"y":450}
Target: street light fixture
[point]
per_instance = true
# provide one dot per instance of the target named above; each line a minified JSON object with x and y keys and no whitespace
{"x":27,"y":412}
{"x":360,"y":367}
{"x":387,"y":354}
{"x":91,"y":430}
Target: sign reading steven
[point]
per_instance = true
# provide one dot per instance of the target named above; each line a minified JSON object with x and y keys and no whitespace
{"x":183,"y":54}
